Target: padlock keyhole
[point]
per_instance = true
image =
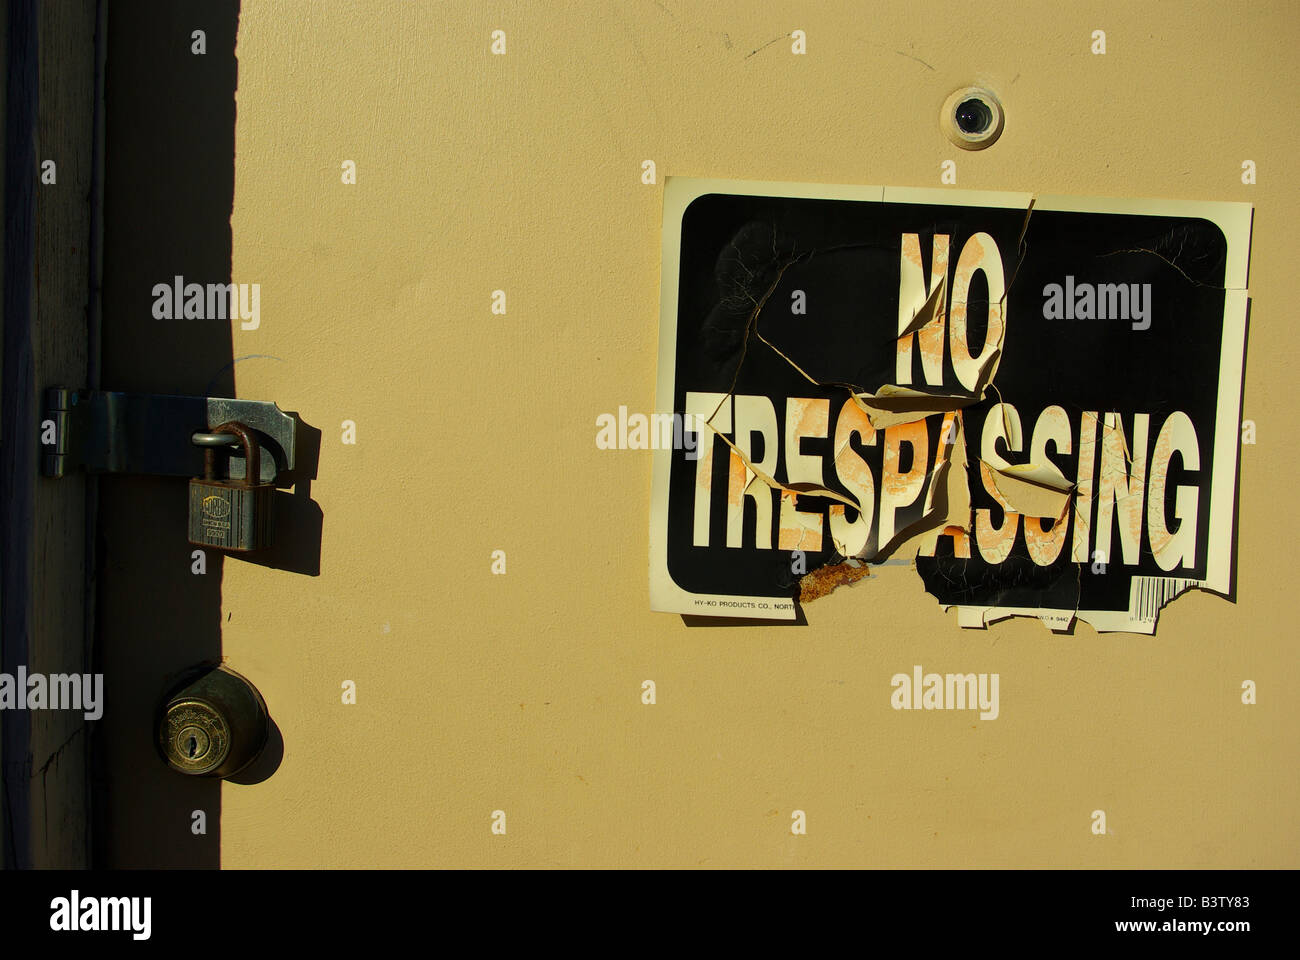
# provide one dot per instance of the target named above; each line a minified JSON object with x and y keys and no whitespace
{"x":194,"y":746}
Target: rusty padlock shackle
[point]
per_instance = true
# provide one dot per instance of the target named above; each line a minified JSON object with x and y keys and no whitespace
{"x":244,"y":436}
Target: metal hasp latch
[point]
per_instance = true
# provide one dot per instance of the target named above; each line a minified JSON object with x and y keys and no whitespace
{"x":102,"y":431}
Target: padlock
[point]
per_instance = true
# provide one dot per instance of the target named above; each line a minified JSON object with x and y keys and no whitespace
{"x":232,"y":514}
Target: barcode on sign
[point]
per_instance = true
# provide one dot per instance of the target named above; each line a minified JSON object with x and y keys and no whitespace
{"x":1148,"y":594}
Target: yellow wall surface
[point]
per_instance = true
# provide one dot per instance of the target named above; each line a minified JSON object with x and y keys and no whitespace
{"x":475,"y":432}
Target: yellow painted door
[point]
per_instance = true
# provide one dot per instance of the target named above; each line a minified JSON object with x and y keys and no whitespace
{"x":447,"y":210}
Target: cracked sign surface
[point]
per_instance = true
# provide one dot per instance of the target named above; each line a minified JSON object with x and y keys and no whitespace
{"x":1034,"y":400}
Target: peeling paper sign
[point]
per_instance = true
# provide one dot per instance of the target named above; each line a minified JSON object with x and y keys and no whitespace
{"x":1034,"y":400}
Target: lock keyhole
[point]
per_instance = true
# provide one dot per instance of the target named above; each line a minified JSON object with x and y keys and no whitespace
{"x":192,"y":743}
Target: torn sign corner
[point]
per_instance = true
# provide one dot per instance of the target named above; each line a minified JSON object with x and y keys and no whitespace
{"x":1148,"y":596}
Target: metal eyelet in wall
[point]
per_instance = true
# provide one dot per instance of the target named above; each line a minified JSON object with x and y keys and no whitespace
{"x":972,"y":118}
